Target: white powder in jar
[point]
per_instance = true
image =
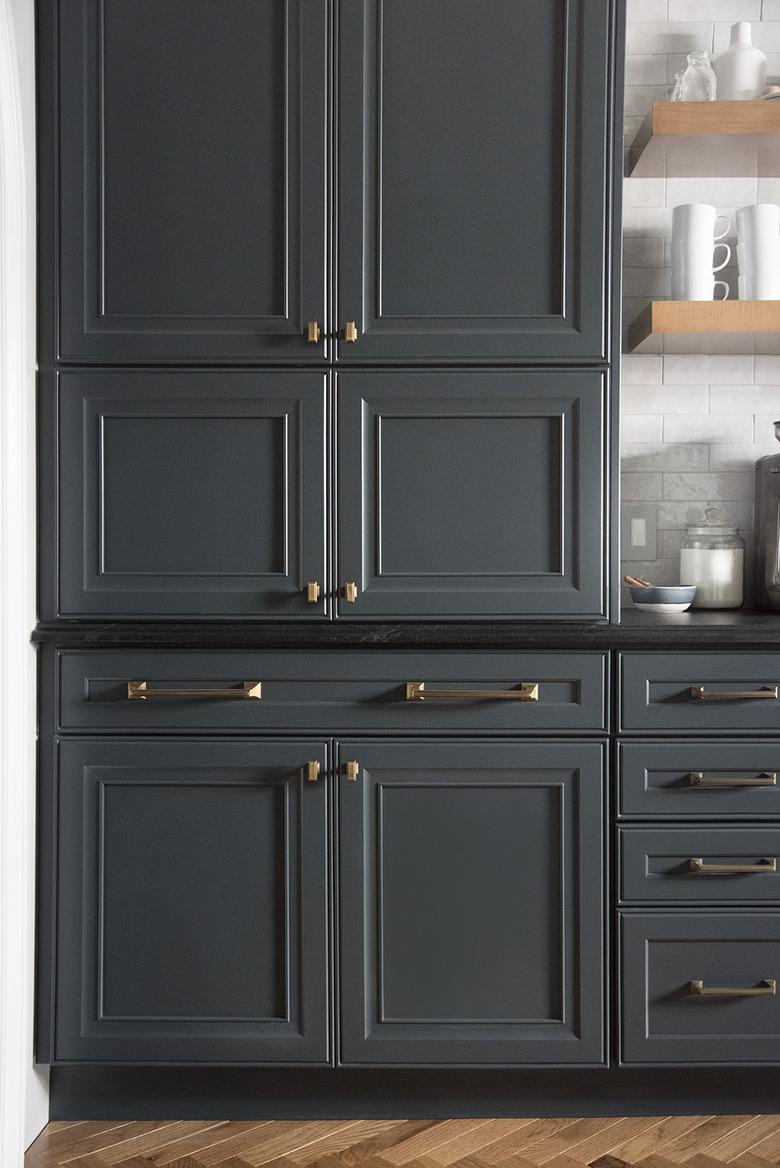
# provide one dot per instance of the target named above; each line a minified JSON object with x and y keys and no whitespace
{"x":717,"y":574}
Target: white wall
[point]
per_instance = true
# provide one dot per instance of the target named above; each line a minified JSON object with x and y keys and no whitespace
{"x":23,"y":1089}
{"x":692,"y":427}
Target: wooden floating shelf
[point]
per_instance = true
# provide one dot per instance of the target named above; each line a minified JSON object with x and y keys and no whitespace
{"x":708,"y":138}
{"x":698,"y":317}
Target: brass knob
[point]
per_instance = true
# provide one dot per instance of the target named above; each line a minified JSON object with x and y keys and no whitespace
{"x":313,"y":332}
{"x":312,"y":771}
{"x":350,"y":332}
{"x":350,"y":592}
{"x":352,"y":770}
{"x":312,"y":592}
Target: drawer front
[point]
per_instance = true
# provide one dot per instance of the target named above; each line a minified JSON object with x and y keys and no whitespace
{"x":700,"y":692}
{"x":699,"y":865}
{"x":728,"y":779}
{"x":333,"y":692}
{"x":731,"y":959}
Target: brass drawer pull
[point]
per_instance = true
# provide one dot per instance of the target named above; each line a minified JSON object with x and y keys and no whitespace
{"x":313,"y":332}
{"x":313,"y":592}
{"x":352,"y":770}
{"x":699,"y":779}
{"x":350,"y":332}
{"x":696,"y":864}
{"x":767,"y":988}
{"x":526,"y":691}
{"x":312,"y":771}
{"x":350,"y":592}
{"x":699,"y":694}
{"x":137,"y":691}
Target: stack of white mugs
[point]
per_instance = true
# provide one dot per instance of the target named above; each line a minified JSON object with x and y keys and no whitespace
{"x":697,"y":235}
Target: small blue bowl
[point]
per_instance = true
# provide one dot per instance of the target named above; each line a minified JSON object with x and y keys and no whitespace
{"x":669,"y":599}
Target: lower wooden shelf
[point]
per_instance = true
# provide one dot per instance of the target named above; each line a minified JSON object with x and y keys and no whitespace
{"x":701,"y":317}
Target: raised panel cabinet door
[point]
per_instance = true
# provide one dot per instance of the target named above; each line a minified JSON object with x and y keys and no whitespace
{"x":192,"y":179}
{"x":472,"y":494}
{"x":192,"y":900}
{"x":471,"y":915}
{"x":474,"y":179}
{"x":190,"y":493}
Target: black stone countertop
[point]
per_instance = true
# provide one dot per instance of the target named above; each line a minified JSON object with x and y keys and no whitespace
{"x":745,"y":627}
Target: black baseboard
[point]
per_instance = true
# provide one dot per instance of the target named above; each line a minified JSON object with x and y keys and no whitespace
{"x":256,"y":1093}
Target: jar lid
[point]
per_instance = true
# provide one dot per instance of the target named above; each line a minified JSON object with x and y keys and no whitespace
{"x":712,"y":526}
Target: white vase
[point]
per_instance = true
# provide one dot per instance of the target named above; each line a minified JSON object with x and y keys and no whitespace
{"x":741,"y":69}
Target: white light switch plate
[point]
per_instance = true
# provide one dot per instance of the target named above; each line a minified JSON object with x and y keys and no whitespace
{"x":638,"y":531}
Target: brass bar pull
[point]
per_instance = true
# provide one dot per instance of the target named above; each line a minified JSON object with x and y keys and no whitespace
{"x":767,"y":987}
{"x":350,"y":591}
{"x":312,"y":771}
{"x":313,"y":592}
{"x":699,"y":694}
{"x":138,"y":691}
{"x":526,"y":691}
{"x":352,"y":770}
{"x":696,"y":864}
{"x":313,"y":332}
{"x":699,"y":779}
{"x":350,"y":332}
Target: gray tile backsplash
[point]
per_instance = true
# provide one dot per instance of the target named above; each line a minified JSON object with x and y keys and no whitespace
{"x":692,"y":426}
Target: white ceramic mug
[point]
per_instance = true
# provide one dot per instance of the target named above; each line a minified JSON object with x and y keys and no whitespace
{"x":761,"y":219}
{"x":759,"y":268}
{"x":693,"y":269}
{"x":698,"y":219}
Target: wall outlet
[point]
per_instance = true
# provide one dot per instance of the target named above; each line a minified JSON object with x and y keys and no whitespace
{"x":638,"y":531}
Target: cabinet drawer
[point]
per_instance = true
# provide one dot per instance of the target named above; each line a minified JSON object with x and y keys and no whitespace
{"x":698,"y":692}
{"x":731,"y":959}
{"x":672,"y":779}
{"x":332,"y":692}
{"x":699,"y":865}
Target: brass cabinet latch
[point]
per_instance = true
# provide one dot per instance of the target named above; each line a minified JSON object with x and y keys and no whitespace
{"x":350,"y":332}
{"x":313,"y":592}
{"x":312,"y":771}
{"x":313,"y":332}
{"x":352,"y":770}
{"x":350,"y":592}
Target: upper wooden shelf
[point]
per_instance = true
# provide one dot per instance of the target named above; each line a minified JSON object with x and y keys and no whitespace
{"x":698,"y":320}
{"x":708,"y":138}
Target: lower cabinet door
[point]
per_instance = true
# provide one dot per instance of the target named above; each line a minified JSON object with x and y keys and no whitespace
{"x":471,"y":883}
{"x":192,"y":902}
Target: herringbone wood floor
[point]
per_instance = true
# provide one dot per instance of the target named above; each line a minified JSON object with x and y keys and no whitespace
{"x":698,"y":1141}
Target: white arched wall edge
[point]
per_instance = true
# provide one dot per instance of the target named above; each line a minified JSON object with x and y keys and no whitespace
{"x":23,"y":1088}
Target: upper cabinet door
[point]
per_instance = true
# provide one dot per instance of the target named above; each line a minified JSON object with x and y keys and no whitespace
{"x":471,"y":494}
{"x":192,"y":179}
{"x":474,"y":174}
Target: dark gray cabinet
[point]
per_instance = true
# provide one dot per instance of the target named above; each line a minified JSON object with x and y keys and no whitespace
{"x":192,"y":902}
{"x":471,"y":881}
{"x":190,"y":493}
{"x":472,"y":493}
{"x":474,"y":179}
{"x":191,"y":157}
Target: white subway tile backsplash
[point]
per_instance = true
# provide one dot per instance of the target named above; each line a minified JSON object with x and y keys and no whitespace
{"x":663,"y":37}
{"x":697,"y":370}
{"x":740,"y":458}
{"x":724,"y":193}
{"x":641,"y":456}
{"x":680,"y":515}
{"x":764,"y":428}
{"x":767,"y":371}
{"x":644,"y":192}
{"x":643,"y":69}
{"x":665,"y":399}
{"x":641,"y":369}
{"x":731,"y":10}
{"x":745,"y":399}
{"x":710,"y":486}
{"x":645,"y":487}
{"x":640,"y":10}
{"x":707,"y":428}
{"x":643,"y":251}
{"x":651,"y":283}
{"x":669,"y":544}
{"x":770,"y":10}
{"x":641,"y":428}
{"x":639,"y":98}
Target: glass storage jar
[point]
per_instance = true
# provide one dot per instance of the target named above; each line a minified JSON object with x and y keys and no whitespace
{"x":712,"y":557}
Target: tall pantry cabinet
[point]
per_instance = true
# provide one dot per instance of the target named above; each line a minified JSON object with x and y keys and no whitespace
{"x":327,"y":333}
